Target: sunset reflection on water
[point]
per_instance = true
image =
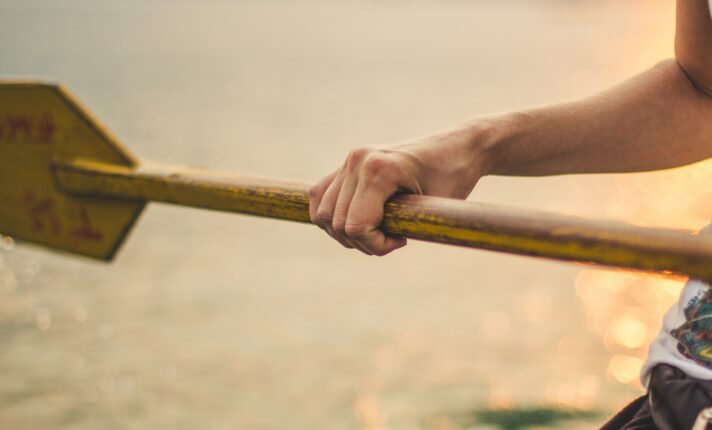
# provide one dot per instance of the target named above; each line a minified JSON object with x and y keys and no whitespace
{"x":626,"y":311}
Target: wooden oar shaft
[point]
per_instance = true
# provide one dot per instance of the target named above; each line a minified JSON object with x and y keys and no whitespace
{"x":431,"y":219}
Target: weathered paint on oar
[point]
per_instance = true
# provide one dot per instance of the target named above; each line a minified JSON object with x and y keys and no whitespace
{"x":41,"y":122}
{"x":66,"y":182}
{"x":426,"y":218}
{"x":186,"y":187}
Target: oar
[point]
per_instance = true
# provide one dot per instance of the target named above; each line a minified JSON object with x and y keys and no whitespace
{"x":67,"y":183}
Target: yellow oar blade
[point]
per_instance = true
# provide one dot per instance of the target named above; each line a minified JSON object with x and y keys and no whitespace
{"x":41,"y":123}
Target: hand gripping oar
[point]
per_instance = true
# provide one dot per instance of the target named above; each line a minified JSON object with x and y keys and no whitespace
{"x":67,"y":183}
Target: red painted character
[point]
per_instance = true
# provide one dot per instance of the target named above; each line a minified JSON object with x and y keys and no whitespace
{"x":42,"y":213}
{"x":86,"y":231}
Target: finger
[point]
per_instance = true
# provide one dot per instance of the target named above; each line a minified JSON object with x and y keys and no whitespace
{"x":343,"y":242}
{"x":325,"y":212}
{"x":365,"y":212}
{"x":373,"y":240}
{"x":341,"y":208}
{"x":316,"y":193}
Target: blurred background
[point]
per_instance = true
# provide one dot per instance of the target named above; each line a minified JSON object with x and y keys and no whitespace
{"x":221,"y":321}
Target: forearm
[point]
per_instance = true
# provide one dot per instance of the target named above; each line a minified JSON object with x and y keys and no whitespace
{"x":655,"y":120}
{"x":659,"y":119}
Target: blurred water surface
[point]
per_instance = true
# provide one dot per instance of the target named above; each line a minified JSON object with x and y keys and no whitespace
{"x":224,"y":321}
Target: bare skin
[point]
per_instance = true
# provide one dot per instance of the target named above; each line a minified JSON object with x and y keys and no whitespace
{"x":659,"y":119}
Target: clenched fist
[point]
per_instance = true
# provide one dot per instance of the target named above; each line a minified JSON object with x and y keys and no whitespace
{"x":348,"y":203}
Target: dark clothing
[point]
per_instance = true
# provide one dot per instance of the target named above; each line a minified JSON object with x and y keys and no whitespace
{"x":673,"y":402}
{"x":635,"y":416}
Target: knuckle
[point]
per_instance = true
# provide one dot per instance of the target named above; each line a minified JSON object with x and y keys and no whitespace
{"x":380,"y":166}
{"x":313,"y":191}
{"x":323,"y":215}
{"x":355,"y":230}
{"x":339,"y":226}
{"x":356,"y":156}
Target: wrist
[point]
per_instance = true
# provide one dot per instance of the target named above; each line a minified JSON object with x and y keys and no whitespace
{"x":485,"y":137}
{"x":462,"y":155}
{"x":488,"y":141}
